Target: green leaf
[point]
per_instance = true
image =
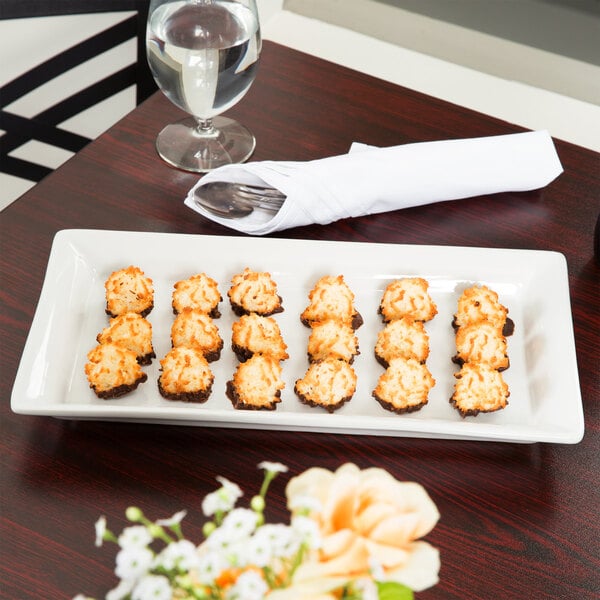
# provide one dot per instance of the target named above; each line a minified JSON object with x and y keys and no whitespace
{"x":391,"y":590}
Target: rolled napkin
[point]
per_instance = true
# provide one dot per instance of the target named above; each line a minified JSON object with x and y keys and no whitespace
{"x":371,"y":180}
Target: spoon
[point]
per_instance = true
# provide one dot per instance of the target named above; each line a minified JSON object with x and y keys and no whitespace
{"x":236,"y":200}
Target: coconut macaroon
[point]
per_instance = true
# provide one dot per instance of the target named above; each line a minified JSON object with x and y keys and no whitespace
{"x":256,"y":384}
{"x":133,"y":332}
{"x":331,"y":298}
{"x":402,"y":338}
{"x":254,"y":292}
{"x":407,"y":297}
{"x":129,"y":290}
{"x":255,"y":334}
{"x":479,"y":388}
{"x":328,"y":383}
{"x":185,"y":375}
{"x":113,"y":370}
{"x":334,"y":339}
{"x":482,"y":342}
{"x":480,"y":303}
{"x":194,"y":329}
{"x":199,"y":291}
{"x":404,"y":386}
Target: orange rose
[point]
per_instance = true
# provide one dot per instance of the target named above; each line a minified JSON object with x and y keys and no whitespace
{"x":368,"y":520}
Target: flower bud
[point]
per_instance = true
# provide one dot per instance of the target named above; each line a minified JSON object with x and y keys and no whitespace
{"x":134,"y":514}
{"x":208,"y":528}
{"x":257,"y":504}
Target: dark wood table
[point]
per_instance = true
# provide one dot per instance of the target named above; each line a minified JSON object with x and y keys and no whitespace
{"x":518,"y":520}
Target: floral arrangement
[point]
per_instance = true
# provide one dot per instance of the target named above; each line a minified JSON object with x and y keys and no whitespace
{"x":353,"y":534}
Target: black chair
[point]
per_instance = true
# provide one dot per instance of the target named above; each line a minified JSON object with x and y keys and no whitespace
{"x":44,"y":125}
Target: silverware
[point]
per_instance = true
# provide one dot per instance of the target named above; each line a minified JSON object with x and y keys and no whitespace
{"x":236,"y":200}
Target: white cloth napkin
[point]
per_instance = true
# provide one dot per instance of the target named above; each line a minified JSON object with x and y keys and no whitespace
{"x":371,"y":180}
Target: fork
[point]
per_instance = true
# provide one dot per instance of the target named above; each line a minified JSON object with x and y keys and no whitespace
{"x":235,"y":200}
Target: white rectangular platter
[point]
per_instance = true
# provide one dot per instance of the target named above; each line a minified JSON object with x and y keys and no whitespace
{"x":545,"y":399}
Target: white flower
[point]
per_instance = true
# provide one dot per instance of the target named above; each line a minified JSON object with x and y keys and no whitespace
{"x":136,"y":536}
{"x":239,"y":553}
{"x":261,"y":550}
{"x":308,"y":530}
{"x":280,"y":538}
{"x":249,"y":586}
{"x":233,"y":548}
{"x":211,"y":504}
{"x":229,"y":489}
{"x":174,"y":520}
{"x":100,"y":530}
{"x":121,"y":591}
{"x":178,"y":555}
{"x":289,"y":546}
{"x":273,"y":467}
{"x":241,"y":522}
{"x":152,"y":587}
{"x":220,"y":540}
{"x":209,"y":567}
{"x":223,"y":500}
{"x":133,"y":562}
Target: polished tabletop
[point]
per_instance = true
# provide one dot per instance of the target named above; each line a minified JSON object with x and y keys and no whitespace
{"x":517,"y":520}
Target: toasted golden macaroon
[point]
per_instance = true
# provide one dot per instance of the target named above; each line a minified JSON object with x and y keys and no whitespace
{"x":194,"y":329}
{"x":199,"y":291}
{"x":255,"y":334}
{"x":407,"y":297}
{"x":332,"y":339}
{"x":254,"y":292}
{"x":133,"y":332}
{"x":479,"y":388}
{"x":480,"y":303}
{"x":185,"y":376}
{"x":113,"y":371}
{"x":328,"y":384}
{"x":404,"y":386}
{"x":482,"y":342}
{"x":256,"y":384}
{"x":129,"y":290}
{"x":402,"y":338}
{"x":331,"y":298}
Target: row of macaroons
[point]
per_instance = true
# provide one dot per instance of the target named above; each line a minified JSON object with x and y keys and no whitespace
{"x":257,"y":342}
{"x":330,"y":381}
{"x":402,"y":346}
{"x":482,"y":326}
{"x":114,"y":365}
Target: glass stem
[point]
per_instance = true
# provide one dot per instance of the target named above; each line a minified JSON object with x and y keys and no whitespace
{"x":205,"y":128}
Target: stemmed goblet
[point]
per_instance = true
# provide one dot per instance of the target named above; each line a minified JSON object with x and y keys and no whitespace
{"x":203,"y":55}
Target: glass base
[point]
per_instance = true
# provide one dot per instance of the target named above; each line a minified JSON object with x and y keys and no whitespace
{"x":185,"y":146}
